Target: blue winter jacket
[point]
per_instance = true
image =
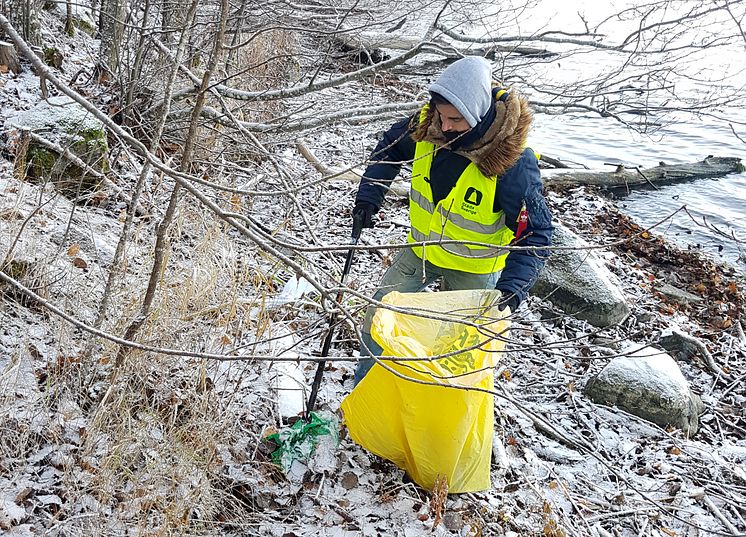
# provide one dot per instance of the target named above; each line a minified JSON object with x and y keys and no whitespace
{"x":519,"y":184}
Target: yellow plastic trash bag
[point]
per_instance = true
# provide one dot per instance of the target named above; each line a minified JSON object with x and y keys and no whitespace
{"x":431,"y":430}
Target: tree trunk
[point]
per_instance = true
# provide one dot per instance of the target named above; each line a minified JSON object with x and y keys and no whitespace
{"x":24,"y":16}
{"x":159,"y":256}
{"x":110,"y":33}
{"x":626,"y":178}
{"x":367,"y":48}
{"x":69,"y":22}
{"x":9,"y":58}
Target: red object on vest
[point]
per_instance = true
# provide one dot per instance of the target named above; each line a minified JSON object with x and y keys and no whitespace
{"x":522,"y":222}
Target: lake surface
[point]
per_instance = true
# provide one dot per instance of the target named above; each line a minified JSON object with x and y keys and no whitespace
{"x":714,"y":78}
{"x":594,"y":141}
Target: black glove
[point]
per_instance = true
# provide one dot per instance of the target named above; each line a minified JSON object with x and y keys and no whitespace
{"x":364,"y":212}
{"x":510,"y":300}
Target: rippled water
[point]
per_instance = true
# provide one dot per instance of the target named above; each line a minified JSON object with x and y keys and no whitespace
{"x":594,"y":141}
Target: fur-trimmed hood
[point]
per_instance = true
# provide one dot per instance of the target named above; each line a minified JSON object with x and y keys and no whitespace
{"x":501,"y":145}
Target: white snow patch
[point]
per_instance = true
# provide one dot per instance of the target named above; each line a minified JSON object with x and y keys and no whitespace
{"x":55,"y":114}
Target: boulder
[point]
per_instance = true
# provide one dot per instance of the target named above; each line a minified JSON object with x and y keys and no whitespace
{"x":66,"y":124}
{"x":577,"y":282}
{"x":648,"y":383}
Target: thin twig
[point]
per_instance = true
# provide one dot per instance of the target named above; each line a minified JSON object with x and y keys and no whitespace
{"x":720,"y":516}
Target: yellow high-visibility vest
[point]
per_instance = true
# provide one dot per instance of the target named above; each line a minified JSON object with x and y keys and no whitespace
{"x":465,"y":214}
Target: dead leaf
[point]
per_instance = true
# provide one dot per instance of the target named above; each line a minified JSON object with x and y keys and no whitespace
{"x":349,"y":480}
{"x":80,"y":263}
{"x":674,"y":450}
{"x":666,"y":310}
{"x":73,"y":250}
{"x":64,"y":361}
{"x":11,"y":214}
{"x":23,"y":494}
{"x":34,"y":352}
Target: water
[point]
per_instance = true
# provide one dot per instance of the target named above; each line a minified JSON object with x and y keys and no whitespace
{"x":714,"y":76}
{"x":594,"y":141}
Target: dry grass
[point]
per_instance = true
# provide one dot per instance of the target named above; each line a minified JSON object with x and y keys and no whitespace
{"x":438,"y":498}
{"x":154,"y":455}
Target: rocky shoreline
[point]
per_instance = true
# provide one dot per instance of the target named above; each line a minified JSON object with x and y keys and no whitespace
{"x":175,"y":443}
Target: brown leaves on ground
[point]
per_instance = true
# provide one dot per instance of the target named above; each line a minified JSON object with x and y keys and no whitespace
{"x":551,"y":528}
{"x":723,"y":300}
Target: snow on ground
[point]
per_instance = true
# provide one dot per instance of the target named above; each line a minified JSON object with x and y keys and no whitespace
{"x":177,"y":441}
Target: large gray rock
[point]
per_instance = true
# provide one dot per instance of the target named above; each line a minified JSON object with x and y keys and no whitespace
{"x":648,"y":383}
{"x":67,"y":124}
{"x":577,"y":282}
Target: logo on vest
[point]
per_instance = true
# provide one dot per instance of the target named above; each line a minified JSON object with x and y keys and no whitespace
{"x":472,"y":198}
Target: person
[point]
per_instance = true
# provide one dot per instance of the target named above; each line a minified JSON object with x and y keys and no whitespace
{"x":473,"y":179}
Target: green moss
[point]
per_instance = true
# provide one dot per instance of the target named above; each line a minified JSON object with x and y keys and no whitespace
{"x":40,"y":161}
{"x":70,"y":27}
{"x":52,"y":57}
{"x":86,"y":26}
{"x":17,"y":269}
{"x":92,"y":148}
{"x":740,"y":167}
{"x":44,"y":165}
{"x":74,"y":130}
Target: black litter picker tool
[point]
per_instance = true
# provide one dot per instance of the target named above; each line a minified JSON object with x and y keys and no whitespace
{"x":299,"y":441}
{"x":357,"y":227}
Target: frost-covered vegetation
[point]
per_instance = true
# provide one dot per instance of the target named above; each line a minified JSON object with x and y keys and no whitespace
{"x":157,"y":325}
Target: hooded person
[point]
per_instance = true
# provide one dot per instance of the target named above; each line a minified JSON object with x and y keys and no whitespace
{"x":473,"y":179}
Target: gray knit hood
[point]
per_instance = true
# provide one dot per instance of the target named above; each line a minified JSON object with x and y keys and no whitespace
{"x":466,"y":84}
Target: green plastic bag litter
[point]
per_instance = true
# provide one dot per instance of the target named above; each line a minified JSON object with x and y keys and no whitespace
{"x":298,"y":442}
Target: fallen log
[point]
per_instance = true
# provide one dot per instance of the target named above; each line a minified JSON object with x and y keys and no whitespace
{"x":624,"y":178}
{"x":399,"y":188}
{"x":367,"y":48}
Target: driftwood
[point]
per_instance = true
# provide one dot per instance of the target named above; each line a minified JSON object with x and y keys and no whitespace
{"x":9,"y":57}
{"x":398,"y":188}
{"x":624,"y":178}
{"x":367,"y":48}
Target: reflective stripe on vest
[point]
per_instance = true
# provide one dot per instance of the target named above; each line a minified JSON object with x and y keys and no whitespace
{"x":466,"y":214}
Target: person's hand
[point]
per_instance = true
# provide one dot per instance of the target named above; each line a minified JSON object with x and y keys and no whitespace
{"x":510,"y":300}
{"x":363,"y":212}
